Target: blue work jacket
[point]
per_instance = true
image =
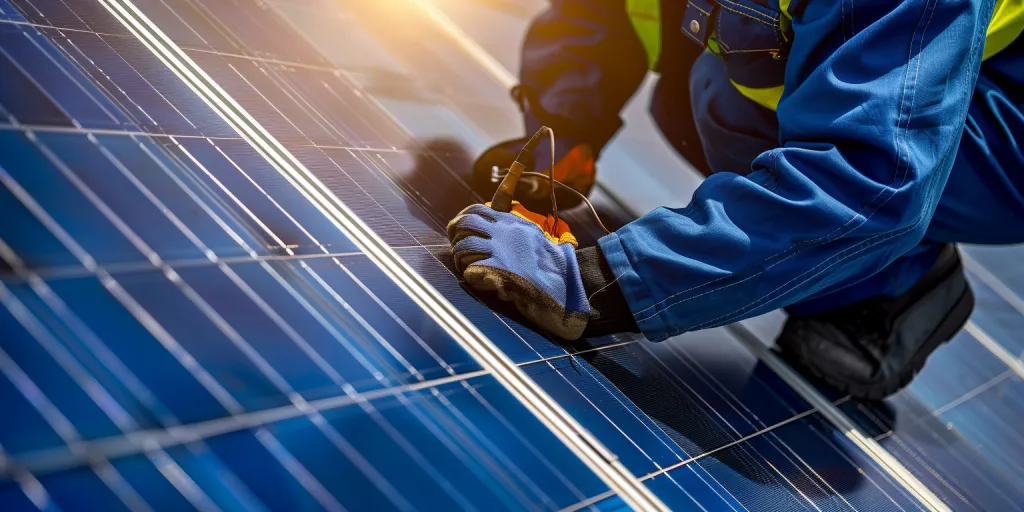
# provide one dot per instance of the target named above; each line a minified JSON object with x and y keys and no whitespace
{"x":870,"y":96}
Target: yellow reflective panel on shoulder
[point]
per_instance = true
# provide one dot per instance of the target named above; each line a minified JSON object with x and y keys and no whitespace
{"x":786,"y":20}
{"x":767,"y":97}
{"x":646,"y":18}
{"x":784,"y":7}
{"x":1006,"y":26}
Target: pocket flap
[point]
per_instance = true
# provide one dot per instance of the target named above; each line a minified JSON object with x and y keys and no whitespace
{"x":742,"y":27}
{"x":697,"y":20}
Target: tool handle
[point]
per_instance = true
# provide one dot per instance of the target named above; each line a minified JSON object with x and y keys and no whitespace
{"x":502,"y":200}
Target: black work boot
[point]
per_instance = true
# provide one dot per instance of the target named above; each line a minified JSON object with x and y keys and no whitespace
{"x":874,"y":348}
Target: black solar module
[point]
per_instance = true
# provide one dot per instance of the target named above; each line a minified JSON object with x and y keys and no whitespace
{"x":185,"y":326}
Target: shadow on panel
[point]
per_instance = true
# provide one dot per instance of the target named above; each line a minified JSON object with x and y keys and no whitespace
{"x":435,"y":178}
{"x":679,"y":416}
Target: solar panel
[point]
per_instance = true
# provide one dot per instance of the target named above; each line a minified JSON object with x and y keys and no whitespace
{"x":185,"y":328}
{"x":964,"y":374}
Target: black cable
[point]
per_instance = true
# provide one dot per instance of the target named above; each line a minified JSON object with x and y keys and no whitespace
{"x":529,"y":147}
{"x":578,"y":194}
{"x":550,"y":176}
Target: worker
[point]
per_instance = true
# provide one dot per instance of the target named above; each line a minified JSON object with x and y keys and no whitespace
{"x":848,"y":146}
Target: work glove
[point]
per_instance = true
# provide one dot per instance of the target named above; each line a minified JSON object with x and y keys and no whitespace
{"x":574,"y":166}
{"x":527,"y":259}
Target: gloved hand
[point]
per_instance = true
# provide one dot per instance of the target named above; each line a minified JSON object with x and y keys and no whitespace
{"x":528,"y":260}
{"x":574,"y":166}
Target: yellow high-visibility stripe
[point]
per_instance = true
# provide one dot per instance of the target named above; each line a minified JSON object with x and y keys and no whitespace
{"x":784,"y":7}
{"x":646,"y":18}
{"x":767,"y":97}
{"x":1005,"y":27}
{"x":786,"y":20}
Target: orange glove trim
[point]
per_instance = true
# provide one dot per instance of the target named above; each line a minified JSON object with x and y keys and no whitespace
{"x":557,"y":234}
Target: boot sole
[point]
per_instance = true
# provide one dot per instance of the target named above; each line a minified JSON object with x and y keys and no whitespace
{"x":954,"y":320}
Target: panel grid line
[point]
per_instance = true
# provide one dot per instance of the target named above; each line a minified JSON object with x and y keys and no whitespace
{"x":233,"y":335}
{"x":380,"y":339}
{"x":63,"y":427}
{"x":542,"y":405}
{"x":880,"y":455}
{"x":701,"y":372}
{"x":915,"y":453}
{"x":733,"y":402}
{"x":686,"y":462}
{"x":223,"y":326}
{"x":345,"y":305}
{"x":177,"y":433}
{"x":876,"y":452}
{"x":162,"y":461}
{"x":80,"y":86}
{"x":674,"y":452}
{"x":138,"y":442}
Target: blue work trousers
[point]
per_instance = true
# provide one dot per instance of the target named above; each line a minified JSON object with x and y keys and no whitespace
{"x":983,"y":202}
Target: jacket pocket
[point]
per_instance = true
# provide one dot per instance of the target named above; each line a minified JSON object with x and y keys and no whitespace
{"x":698,"y":19}
{"x":746,"y":27}
{"x":754,"y":47}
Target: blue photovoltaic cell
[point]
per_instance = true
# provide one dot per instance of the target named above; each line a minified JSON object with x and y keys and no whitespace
{"x":9,"y":13}
{"x":23,"y":100}
{"x":15,"y":500}
{"x":36,"y":247}
{"x":990,"y":421}
{"x":962,"y":468}
{"x":1000,"y":311}
{"x":143,"y":474}
{"x":212,"y":478}
{"x":811,"y":461}
{"x":395,"y":320}
{"x":160,"y":382}
{"x":30,"y":433}
{"x":720,"y":386}
{"x":937,"y":456}
{"x":966,"y":366}
{"x":43,"y":368}
{"x":191,"y":340}
{"x":239,"y":357}
{"x":37,"y":61}
{"x":67,"y":488}
{"x":39,"y":176}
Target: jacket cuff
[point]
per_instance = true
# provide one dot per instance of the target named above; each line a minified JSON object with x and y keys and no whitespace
{"x":609,"y":311}
{"x":637,"y":295}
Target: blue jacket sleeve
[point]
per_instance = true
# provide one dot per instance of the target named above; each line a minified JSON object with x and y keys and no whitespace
{"x":876,"y":96}
{"x":581,"y":62}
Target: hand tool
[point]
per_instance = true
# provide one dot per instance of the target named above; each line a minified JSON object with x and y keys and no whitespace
{"x":502,"y":200}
